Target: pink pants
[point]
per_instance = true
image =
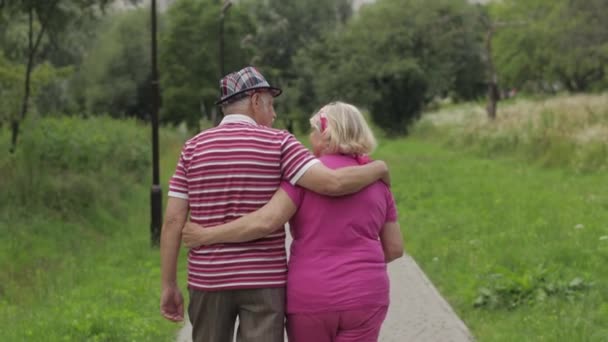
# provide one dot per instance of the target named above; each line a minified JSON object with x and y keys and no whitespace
{"x":340,"y":326}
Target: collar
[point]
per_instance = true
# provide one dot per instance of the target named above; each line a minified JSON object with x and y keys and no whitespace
{"x":238,"y":118}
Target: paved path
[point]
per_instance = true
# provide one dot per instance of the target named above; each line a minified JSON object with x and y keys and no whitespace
{"x":417,"y":311}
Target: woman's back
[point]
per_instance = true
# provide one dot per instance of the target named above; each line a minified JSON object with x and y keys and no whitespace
{"x":337,"y":261}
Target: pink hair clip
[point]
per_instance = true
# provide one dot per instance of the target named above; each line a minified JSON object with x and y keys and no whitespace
{"x":323,"y":120}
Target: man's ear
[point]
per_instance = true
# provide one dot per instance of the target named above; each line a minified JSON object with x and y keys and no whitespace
{"x":255,"y":99}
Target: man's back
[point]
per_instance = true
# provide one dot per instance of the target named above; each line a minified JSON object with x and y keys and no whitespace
{"x":227,"y":172}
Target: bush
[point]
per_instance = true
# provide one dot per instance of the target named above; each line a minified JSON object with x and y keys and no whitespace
{"x":68,"y":162}
{"x":69,"y":143}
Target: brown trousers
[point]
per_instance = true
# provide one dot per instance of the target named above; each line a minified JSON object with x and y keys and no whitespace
{"x":261,"y":314}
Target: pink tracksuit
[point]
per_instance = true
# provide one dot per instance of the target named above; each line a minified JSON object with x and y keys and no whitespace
{"x":337,"y":285}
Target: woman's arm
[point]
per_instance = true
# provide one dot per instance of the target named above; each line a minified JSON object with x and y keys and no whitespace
{"x":392,"y":241}
{"x":252,"y":226}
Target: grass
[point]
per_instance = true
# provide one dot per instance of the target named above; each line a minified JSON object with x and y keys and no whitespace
{"x":566,"y":131}
{"x":74,"y":234}
{"x":519,"y":251}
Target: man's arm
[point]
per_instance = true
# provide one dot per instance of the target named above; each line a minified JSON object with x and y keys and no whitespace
{"x":252,"y":226}
{"x":344,"y":181}
{"x":172,"y":302}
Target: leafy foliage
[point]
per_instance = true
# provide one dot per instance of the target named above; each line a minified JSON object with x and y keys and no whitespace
{"x":11,"y":85}
{"x":71,"y":146}
{"x":392,"y":57}
{"x":551,"y":45}
{"x":189,"y":57}
{"x":507,"y":290}
{"x":397,"y":55}
{"x":282,"y":30}
{"x":114,"y":75}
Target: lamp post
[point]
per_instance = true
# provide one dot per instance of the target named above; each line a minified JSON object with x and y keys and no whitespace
{"x":225,"y":7}
{"x":155,"y":193}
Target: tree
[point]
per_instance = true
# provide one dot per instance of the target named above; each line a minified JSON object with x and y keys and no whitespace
{"x":44,"y":19}
{"x":563,"y":44}
{"x":397,"y":55}
{"x":11,"y":88}
{"x":114,"y":76}
{"x":283,"y":28}
{"x":10,"y":76}
{"x":493,"y":92}
{"x":189,"y":63}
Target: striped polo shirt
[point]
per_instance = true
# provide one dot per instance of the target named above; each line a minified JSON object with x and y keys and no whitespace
{"x":229,"y":171}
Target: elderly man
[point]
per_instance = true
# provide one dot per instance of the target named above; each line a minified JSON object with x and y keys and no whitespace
{"x":224,"y":173}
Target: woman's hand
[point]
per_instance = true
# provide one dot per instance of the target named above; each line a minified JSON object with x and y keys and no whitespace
{"x":193,"y":235}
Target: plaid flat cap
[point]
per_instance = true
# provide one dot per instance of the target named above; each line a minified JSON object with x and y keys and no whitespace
{"x":235,"y":86}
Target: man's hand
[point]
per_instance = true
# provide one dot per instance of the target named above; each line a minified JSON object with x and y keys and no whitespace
{"x":193,"y":235}
{"x":172,"y":304}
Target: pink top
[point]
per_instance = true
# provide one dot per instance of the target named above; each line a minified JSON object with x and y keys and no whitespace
{"x":337,"y":262}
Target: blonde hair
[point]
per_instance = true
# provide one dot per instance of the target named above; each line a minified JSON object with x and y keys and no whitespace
{"x":345,"y":131}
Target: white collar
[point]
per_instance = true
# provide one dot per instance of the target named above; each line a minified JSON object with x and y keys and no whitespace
{"x":238,"y":118}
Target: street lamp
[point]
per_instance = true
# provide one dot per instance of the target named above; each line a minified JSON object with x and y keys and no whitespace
{"x":225,"y":7}
{"x":155,"y":193}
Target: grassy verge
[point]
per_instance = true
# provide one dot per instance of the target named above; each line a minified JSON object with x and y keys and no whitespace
{"x":519,"y":251}
{"x":74,"y":234}
{"x":564,"y":131}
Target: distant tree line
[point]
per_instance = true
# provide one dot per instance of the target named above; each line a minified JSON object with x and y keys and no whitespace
{"x":392,"y":57}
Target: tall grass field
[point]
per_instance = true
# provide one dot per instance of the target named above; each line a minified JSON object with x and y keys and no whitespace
{"x":509,"y":219}
{"x":564,"y":131}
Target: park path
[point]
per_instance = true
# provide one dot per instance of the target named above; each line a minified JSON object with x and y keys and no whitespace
{"x":417,"y":312}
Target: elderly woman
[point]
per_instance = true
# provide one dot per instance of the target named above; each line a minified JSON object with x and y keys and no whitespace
{"x":337,"y":284}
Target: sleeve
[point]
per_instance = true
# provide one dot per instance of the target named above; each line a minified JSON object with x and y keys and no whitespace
{"x":391,"y":208}
{"x":293,"y":191}
{"x":295,"y":159}
{"x":178,"y":184}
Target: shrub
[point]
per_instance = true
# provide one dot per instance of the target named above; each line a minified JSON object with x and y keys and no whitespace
{"x":67,"y":163}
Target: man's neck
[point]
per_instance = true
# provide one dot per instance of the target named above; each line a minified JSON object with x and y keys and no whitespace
{"x":238,"y":117}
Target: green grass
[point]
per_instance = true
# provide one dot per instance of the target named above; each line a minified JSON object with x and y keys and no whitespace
{"x":74,"y":237}
{"x":105,"y":290}
{"x":519,"y":251}
{"x":567,"y":131}
{"x":528,"y":244}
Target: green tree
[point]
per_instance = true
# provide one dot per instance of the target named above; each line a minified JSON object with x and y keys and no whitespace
{"x":283,"y":28}
{"x":189,"y":57}
{"x":547,"y":44}
{"x":397,"y":55}
{"x":42,"y":19}
{"x":114,"y":77}
{"x":11,"y":87}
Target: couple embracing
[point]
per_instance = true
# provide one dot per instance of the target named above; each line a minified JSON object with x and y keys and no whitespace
{"x":234,"y":188}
